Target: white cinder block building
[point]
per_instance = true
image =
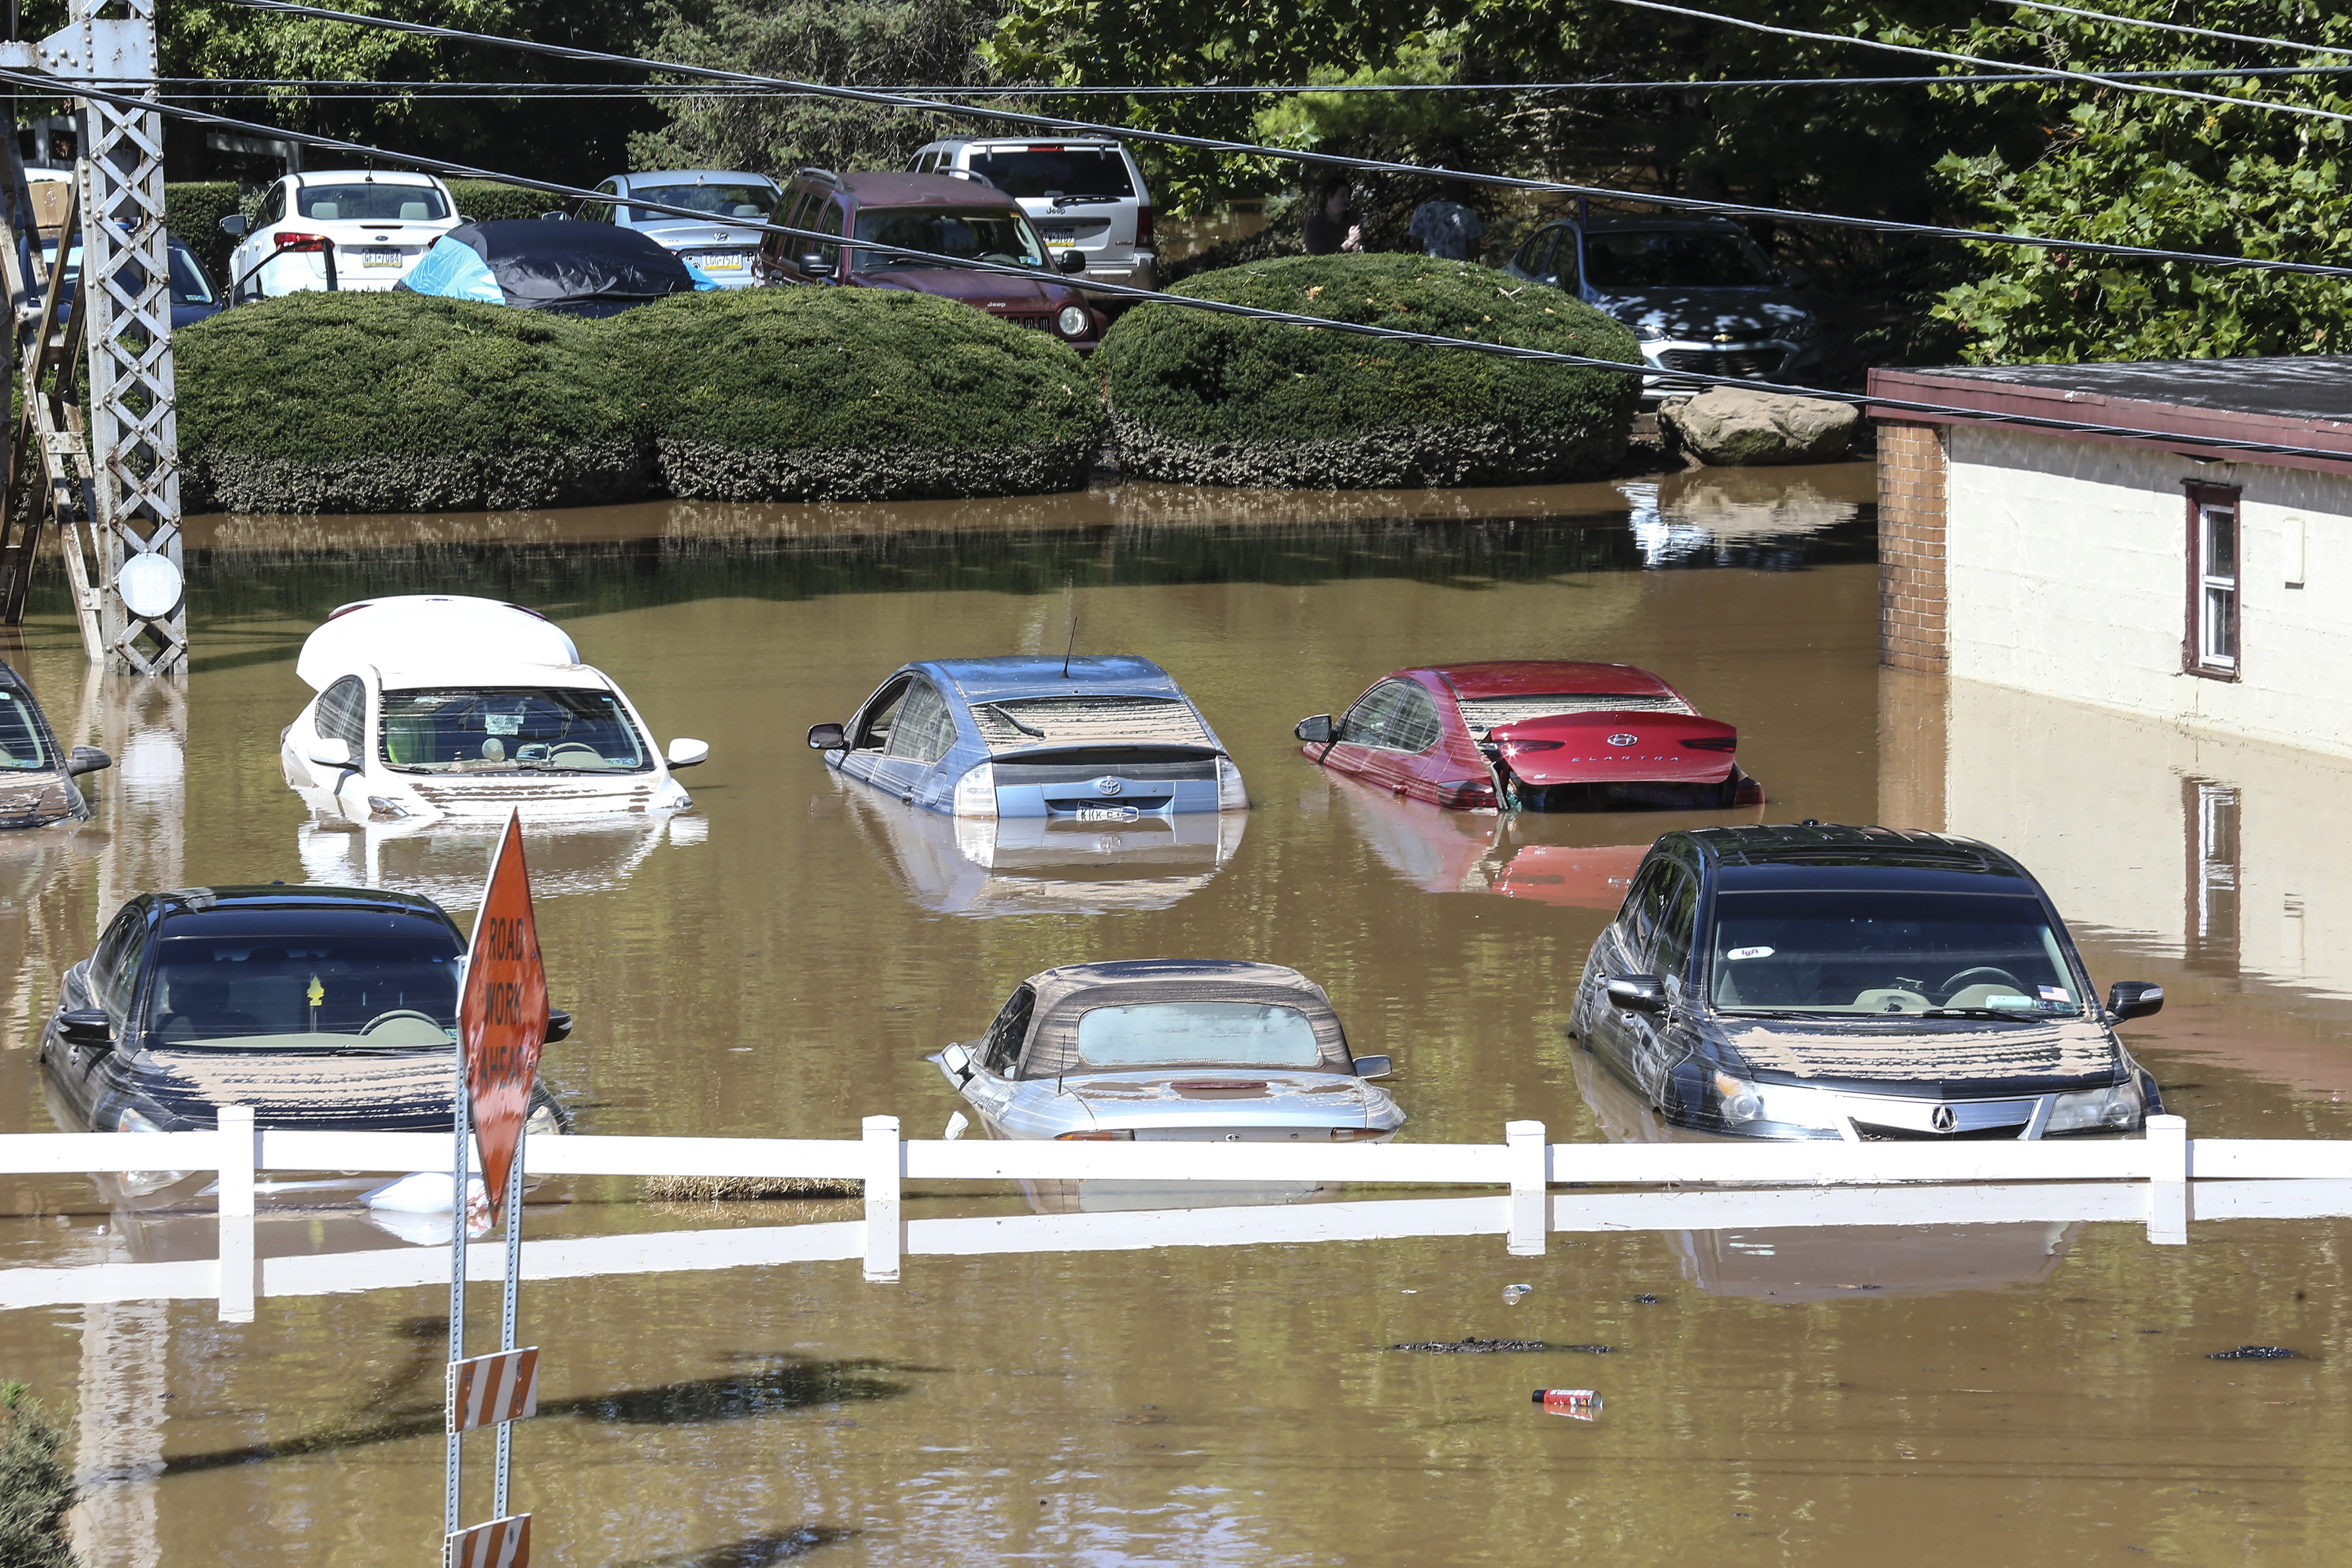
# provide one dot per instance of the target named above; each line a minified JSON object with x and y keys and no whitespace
{"x":2148,"y":573}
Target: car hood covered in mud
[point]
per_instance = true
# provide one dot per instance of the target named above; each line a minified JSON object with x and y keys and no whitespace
{"x":1926,"y":1053}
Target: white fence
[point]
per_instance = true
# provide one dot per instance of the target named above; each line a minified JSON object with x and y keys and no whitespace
{"x":2070,"y":1178}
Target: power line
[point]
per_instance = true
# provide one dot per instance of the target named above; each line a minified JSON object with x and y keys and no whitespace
{"x":2054,"y":72}
{"x":2176,"y":28}
{"x":1320,"y":159}
{"x":447,"y":169}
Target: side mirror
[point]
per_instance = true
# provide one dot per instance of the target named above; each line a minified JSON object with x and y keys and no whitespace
{"x":86,"y":1026}
{"x":87,"y":760}
{"x":1372,"y":1067}
{"x":957,"y":1060}
{"x":2134,"y":999}
{"x":828,"y":738}
{"x":685,"y":754}
{"x":1070,"y":263}
{"x":234,"y":225}
{"x":559,"y":1026}
{"x":1637,"y":993}
{"x":558,"y":215}
{"x":1314,"y":731}
{"x":331,"y":753}
{"x":1796,"y":278}
{"x":815,"y":266}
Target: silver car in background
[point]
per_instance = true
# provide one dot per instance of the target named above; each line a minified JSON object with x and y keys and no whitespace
{"x":718,"y":244}
{"x":1085,"y":195}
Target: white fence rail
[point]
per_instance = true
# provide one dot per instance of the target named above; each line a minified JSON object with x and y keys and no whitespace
{"x":2160,"y":1168}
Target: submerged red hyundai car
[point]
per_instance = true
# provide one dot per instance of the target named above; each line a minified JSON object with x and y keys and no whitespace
{"x":1534,"y":735}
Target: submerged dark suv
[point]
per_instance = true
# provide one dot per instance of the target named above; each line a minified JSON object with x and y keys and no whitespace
{"x":939,"y":213}
{"x":1817,"y":981}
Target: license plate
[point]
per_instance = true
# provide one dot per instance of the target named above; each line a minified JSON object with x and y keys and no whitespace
{"x":1108,"y":814}
{"x":721,"y":264}
{"x":1061,"y":236}
{"x":378,"y":258}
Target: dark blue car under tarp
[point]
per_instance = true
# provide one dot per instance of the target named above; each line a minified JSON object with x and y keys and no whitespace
{"x":578,"y":268}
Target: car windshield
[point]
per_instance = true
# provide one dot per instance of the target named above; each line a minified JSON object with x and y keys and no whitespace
{"x":1018,"y":722}
{"x":1673,"y":258}
{"x":305,"y":992}
{"x":1865,"y":951}
{"x":1195,"y":1033}
{"x":20,"y":735}
{"x":510,"y":730}
{"x":1055,"y":171}
{"x":370,"y":201}
{"x":734,"y":200}
{"x":189,"y":285}
{"x":983,"y":233}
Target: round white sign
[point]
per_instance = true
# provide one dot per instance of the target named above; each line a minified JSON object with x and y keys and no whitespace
{"x":150,"y":586}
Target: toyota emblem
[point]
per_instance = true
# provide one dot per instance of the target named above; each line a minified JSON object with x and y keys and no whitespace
{"x":1623,"y":740}
{"x":1941,"y":1118}
{"x":1108,"y":786}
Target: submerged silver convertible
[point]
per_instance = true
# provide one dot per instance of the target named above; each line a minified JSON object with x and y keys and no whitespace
{"x":1182,"y":1050}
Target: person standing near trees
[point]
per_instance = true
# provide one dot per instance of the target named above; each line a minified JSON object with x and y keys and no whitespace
{"x":1447,"y":227}
{"x":1331,"y":227}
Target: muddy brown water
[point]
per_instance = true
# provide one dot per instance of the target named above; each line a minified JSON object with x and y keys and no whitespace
{"x":779,"y":963}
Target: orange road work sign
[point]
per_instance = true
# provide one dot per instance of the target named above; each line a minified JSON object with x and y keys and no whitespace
{"x":501,"y":1543}
{"x":501,"y":1386}
{"x":502,"y":1017}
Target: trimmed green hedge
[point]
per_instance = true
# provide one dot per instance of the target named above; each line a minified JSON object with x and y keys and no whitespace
{"x":192,"y":211}
{"x":394,"y":402}
{"x":486,"y":201}
{"x":1221,"y":400}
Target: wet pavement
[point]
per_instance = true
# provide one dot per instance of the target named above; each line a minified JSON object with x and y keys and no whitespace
{"x":779,"y":961}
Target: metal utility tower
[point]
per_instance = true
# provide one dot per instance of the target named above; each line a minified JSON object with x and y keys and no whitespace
{"x":110,"y":457}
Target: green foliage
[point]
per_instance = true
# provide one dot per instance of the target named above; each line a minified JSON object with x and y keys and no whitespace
{"x":192,"y":211}
{"x":36,"y":1488}
{"x":1210,"y":378}
{"x":486,"y":201}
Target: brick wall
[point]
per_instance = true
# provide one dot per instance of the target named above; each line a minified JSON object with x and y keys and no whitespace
{"x":1911,"y":630}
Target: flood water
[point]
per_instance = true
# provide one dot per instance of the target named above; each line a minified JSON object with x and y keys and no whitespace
{"x":780,"y":961}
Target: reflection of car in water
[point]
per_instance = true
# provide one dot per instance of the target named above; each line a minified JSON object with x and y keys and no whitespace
{"x":1171,"y":1050}
{"x":37,"y":774}
{"x":986,"y":866}
{"x":444,"y":863}
{"x":1533,"y":734}
{"x":322,"y":1008}
{"x":1813,"y":982}
{"x":1830,"y":1262}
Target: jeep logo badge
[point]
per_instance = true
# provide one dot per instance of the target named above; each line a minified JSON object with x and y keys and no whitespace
{"x":1623,"y":740}
{"x":1108,"y":786}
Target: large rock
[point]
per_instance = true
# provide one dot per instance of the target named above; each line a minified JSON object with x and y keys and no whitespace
{"x":1727,"y":427}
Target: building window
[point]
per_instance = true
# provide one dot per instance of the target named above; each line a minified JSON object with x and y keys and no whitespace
{"x":2211,"y":649}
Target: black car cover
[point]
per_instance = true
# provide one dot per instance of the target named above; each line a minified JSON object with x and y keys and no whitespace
{"x":579,"y":268}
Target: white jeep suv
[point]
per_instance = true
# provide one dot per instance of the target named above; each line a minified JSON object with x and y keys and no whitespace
{"x":1085,"y":194}
{"x":379,"y":222}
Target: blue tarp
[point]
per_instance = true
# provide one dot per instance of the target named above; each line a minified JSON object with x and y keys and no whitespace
{"x":578,"y":268}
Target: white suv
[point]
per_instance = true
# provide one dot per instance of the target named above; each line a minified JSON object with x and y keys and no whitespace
{"x":1085,"y":195}
{"x":380,"y":222}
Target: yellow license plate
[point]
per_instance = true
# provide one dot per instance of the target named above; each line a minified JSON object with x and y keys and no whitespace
{"x":723,"y":264}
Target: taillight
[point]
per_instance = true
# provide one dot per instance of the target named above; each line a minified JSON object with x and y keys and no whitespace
{"x":1123,"y":1136}
{"x":290,"y":241}
{"x":1465,"y":794}
{"x":1513,"y":748}
{"x":1713,"y":743}
{"x":1142,"y":226}
{"x":1750,"y":793}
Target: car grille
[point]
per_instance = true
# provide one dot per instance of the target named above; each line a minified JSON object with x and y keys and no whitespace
{"x":1875,"y":1132}
{"x":1752,"y":365}
{"x":1036,"y":323}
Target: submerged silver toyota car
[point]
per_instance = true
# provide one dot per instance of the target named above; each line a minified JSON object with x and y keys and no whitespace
{"x":1211,"y":1051}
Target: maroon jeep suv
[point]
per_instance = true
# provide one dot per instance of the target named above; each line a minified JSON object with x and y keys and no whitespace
{"x":944,"y":215}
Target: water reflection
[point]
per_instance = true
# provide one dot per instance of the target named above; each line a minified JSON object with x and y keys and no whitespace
{"x":446,"y":864}
{"x":990,"y":867}
{"x":1748,"y":517}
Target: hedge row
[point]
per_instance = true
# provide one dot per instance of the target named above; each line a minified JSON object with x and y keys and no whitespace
{"x":395,"y":402}
{"x":1222,"y":400}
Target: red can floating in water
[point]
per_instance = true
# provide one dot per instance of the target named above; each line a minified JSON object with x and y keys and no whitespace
{"x":1583,"y":1404}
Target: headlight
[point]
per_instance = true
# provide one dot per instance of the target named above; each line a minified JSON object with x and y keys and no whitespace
{"x":1231,"y":795}
{"x":1650,"y":333}
{"x":1739,"y":1100}
{"x":1803,"y":329}
{"x":129,"y":1119}
{"x":2115,"y":1109}
{"x":542,"y":1122}
{"x":1074,"y":321}
{"x":975,"y":793}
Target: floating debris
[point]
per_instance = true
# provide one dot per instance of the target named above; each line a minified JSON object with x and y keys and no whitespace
{"x":1494,"y":1347}
{"x":2256,"y":1352}
{"x":1515,"y":1294}
{"x":1583,"y":1404}
{"x":1646,"y":1300}
{"x":721,"y":1189}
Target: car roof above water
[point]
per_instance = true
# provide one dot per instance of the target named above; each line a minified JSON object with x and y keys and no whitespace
{"x":275,"y":910}
{"x":1548,"y":678}
{"x":1037,"y":675}
{"x":1833,"y":855}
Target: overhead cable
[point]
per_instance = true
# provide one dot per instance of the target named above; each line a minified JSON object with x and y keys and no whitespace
{"x":448,"y":169}
{"x":2054,"y":72}
{"x":2178,"y":27}
{"x":1318,"y":159}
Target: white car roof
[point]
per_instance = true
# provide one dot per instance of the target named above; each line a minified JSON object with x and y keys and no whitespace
{"x":363,"y":176}
{"x":449,"y":634}
{"x":476,"y":674}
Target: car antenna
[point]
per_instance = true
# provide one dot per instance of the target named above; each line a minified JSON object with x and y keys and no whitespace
{"x":1070,"y":591}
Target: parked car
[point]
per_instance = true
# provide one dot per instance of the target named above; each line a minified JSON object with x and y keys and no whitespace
{"x":938,"y":214}
{"x":1087,"y":198}
{"x":1533,"y":735}
{"x":714,"y":243}
{"x":434,"y":707}
{"x":1698,"y":293}
{"x":572,"y":270}
{"x":379,"y":222}
{"x":1194,"y":1050}
{"x":192,"y":298}
{"x":324,"y":1008}
{"x":1824,"y":981}
{"x":1093,"y":740}
{"x":37,"y":774}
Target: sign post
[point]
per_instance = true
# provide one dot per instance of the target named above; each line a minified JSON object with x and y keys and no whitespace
{"x":501,"y":1024}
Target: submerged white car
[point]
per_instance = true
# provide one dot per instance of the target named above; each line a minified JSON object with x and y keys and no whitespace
{"x":378,"y":222}
{"x":434,"y":707}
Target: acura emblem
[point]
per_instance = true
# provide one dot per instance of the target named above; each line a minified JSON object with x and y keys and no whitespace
{"x":1941,"y":1118}
{"x":1622,"y":740}
{"x":1108,"y":786}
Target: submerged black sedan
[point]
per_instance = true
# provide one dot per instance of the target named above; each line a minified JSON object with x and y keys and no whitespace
{"x":37,"y":774}
{"x":1821,"y":981}
{"x":319,"y":1008}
